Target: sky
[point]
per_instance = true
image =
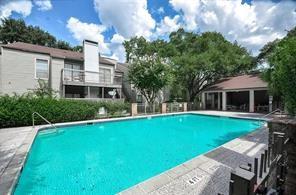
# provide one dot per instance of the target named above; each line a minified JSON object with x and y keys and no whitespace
{"x":252,"y":23}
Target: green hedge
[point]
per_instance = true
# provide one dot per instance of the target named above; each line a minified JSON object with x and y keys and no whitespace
{"x":17,"y":110}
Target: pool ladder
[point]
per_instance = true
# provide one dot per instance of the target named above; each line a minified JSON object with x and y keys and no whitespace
{"x":33,"y":120}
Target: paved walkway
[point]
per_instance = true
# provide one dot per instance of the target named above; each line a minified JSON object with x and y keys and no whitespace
{"x":14,"y":146}
{"x":15,"y":143}
{"x":231,"y":114}
{"x":10,"y":140}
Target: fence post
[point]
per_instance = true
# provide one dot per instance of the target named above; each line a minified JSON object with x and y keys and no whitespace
{"x":242,"y":182}
{"x":134,"y":109}
{"x":261,"y":165}
{"x":185,"y":107}
{"x":256,"y":168}
{"x":163,"y":108}
{"x":265,"y":161}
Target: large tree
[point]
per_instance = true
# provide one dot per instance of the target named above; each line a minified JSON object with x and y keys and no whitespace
{"x":281,"y":68}
{"x":148,"y":70}
{"x":12,"y":30}
{"x":199,"y":60}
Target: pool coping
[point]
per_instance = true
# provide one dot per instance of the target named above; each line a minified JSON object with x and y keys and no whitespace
{"x":10,"y":175}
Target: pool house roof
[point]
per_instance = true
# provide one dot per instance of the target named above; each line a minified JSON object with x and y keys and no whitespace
{"x":241,"y":82}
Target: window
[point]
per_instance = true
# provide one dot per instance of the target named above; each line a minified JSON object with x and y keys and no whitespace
{"x":71,"y":74}
{"x":41,"y":69}
{"x":105,"y":75}
{"x":139,"y":99}
{"x":73,"y":66}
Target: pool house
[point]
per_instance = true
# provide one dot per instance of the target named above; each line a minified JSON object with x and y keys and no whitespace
{"x":245,"y":93}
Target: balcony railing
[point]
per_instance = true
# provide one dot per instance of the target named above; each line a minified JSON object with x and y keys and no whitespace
{"x":82,"y":76}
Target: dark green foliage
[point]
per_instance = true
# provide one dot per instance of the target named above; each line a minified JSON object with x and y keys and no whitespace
{"x":17,"y":110}
{"x":78,"y":48}
{"x":269,"y":48}
{"x":148,"y":70}
{"x":43,"y":91}
{"x":198,"y":60}
{"x":63,"y":45}
{"x":12,"y":30}
{"x":282,"y":75}
{"x":281,"y":72}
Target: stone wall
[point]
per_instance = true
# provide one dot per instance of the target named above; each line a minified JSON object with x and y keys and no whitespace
{"x":288,"y":127}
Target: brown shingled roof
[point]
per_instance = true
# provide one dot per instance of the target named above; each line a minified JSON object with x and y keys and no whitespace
{"x":54,"y":52}
{"x":123,"y":67}
{"x":247,"y":81}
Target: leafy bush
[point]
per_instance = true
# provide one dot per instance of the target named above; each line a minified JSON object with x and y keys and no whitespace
{"x":17,"y":110}
{"x":282,"y":74}
{"x":43,"y":90}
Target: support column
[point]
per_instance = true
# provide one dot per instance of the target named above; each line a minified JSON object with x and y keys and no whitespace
{"x":270,"y":103}
{"x":185,"y":107}
{"x":118,"y":90}
{"x":203,"y":100}
{"x":88,"y":91}
{"x":134,"y":109}
{"x":64,"y":91}
{"x":219,"y":104}
{"x":213,"y":100}
{"x":103,"y":92}
{"x":251,"y":101}
{"x":163,"y":108}
{"x":224,"y":100}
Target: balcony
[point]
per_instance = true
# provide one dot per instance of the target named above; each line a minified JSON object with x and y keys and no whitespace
{"x":89,"y":78}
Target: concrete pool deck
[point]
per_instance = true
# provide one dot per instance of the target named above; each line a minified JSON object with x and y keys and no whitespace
{"x":206,"y":174}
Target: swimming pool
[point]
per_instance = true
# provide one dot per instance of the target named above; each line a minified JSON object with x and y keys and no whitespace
{"x":108,"y":157}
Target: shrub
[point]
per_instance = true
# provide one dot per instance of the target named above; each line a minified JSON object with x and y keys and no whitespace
{"x":17,"y":110}
{"x":282,"y":75}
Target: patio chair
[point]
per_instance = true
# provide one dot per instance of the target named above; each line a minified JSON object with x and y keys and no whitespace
{"x":242,"y":107}
{"x":102,"y":112}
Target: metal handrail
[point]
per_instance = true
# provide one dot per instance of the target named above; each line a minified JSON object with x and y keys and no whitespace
{"x":266,"y":115}
{"x":33,"y":119}
{"x":83,"y":74}
{"x":270,"y":113}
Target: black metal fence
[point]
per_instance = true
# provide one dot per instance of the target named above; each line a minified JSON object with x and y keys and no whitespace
{"x":145,"y":108}
{"x":268,"y":170}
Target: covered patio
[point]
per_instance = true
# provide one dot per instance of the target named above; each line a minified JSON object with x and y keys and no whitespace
{"x":244,"y":93}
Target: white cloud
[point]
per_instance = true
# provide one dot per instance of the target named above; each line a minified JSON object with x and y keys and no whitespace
{"x":168,"y":25}
{"x":22,"y":7}
{"x":117,"y":48}
{"x":81,"y":31}
{"x":190,"y":10}
{"x":128,"y":17}
{"x":160,"y":10}
{"x":43,"y":5}
{"x":251,"y":25}
{"x":117,"y":38}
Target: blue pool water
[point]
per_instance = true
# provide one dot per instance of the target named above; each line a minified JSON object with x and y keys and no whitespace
{"x":106,"y":158}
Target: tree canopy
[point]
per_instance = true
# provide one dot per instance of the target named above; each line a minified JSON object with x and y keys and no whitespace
{"x":281,"y":70}
{"x":199,"y":60}
{"x":148,"y":71}
{"x":12,"y":30}
{"x":195,"y":60}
